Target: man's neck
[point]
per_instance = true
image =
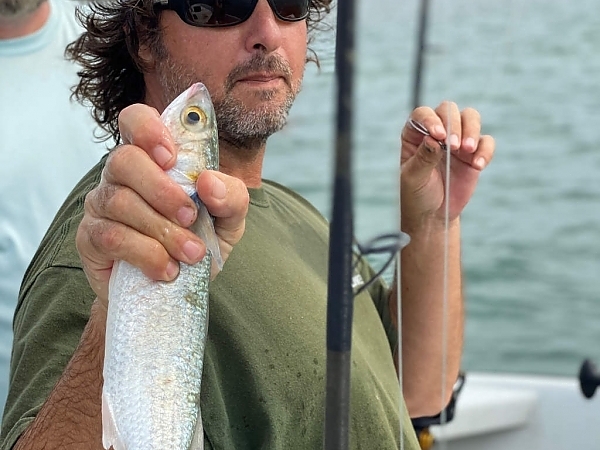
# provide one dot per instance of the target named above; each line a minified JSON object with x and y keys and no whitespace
{"x":246,"y":167}
{"x":25,"y":25}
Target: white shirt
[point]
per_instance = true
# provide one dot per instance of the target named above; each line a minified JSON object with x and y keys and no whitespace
{"x":46,"y":145}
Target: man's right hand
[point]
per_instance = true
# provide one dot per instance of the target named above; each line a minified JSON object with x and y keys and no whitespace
{"x":138,"y":214}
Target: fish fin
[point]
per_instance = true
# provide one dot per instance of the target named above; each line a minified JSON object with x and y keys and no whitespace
{"x":198,"y":439}
{"x":205,"y":229}
{"x":110,"y":434}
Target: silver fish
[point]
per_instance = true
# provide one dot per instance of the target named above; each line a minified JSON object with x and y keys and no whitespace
{"x":156,"y":331}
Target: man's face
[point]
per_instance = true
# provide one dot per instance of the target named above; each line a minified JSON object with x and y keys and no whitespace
{"x":16,"y":8}
{"x":253,"y":70}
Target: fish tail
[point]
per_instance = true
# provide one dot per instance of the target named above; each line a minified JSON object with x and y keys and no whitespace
{"x":198,"y":439}
{"x":110,"y":434}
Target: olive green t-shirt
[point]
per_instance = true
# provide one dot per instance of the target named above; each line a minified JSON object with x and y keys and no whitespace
{"x":263,"y":385}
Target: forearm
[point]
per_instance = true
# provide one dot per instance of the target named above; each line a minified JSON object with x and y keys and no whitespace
{"x":430,"y":359}
{"x":71,"y":416}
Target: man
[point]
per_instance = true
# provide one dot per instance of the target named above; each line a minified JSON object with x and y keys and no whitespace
{"x":264,"y":377}
{"x":46,"y":141}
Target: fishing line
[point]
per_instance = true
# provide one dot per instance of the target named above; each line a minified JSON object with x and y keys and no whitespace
{"x":492,"y":80}
{"x":398,"y":355}
{"x":422,"y":45}
{"x":445,"y":274}
{"x":399,"y":329}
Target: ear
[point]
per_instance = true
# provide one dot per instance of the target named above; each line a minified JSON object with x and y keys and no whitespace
{"x":146,"y":57}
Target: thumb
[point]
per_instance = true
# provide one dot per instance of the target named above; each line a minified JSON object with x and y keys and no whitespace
{"x":417,"y":169}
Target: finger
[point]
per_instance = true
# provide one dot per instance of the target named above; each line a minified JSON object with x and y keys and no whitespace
{"x":227,"y":199}
{"x":451,"y":119}
{"x":120,"y":204}
{"x":484,"y":153}
{"x":101,"y":242}
{"x":471,"y":129}
{"x":130,"y":166}
{"x":430,"y":121}
{"x":141,"y":125}
{"x":417,"y":170}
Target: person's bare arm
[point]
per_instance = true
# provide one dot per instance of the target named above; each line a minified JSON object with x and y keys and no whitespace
{"x":71,"y":417}
{"x":430,"y":368}
{"x":137,"y":214}
{"x":423,"y":316}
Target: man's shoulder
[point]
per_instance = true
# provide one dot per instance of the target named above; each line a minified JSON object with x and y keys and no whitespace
{"x":283,"y":193}
{"x":274,"y":189}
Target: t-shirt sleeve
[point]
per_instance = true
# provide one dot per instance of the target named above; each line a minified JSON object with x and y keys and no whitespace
{"x":47,"y":330}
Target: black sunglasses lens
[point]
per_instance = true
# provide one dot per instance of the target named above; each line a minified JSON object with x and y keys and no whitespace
{"x":221,"y":13}
{"x":215,"y":13}
{"x":291,"y":9}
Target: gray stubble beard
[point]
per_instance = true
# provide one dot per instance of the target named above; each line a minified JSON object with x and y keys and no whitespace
{"x":250,"y":128}
{"x":242,"y":127}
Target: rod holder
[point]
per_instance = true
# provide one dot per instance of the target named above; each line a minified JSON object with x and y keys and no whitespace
{"x":589,"y":378}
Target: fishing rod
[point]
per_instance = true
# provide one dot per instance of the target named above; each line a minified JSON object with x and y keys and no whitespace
{"x":421,"y":46}
{"x":340,"y":296}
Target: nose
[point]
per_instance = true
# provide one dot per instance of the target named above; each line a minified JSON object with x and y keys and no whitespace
{"x":264,"y":29}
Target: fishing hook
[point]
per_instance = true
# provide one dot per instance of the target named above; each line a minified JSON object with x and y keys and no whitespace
{"x":417,"y":126}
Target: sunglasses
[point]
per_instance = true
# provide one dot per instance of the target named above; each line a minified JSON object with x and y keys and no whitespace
{"x":226,"y":13}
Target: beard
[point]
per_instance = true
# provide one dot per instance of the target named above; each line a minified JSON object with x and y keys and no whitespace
{"x":10,"y":9}
{"x":238,"y":124}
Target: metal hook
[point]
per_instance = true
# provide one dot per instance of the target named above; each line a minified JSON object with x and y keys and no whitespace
{"x":421,"y":129}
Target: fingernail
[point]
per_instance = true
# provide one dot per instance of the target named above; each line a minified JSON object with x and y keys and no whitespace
{"x":454,"y":142}
{"x":172,"y":270}
{"x":186,"y":216}
{"x":469,"y":144}
{"x":193,"y":251}
{"x":480,"y":163}
{"x":219,"y":190}
{"x":429,"y":149}
{"x":439,"y":130}
{"x":161,"y":155}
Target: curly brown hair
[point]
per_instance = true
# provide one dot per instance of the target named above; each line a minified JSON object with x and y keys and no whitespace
{"x":111,"y":75}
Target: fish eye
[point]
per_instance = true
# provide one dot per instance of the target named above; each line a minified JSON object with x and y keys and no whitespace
{"x":193,"y":117}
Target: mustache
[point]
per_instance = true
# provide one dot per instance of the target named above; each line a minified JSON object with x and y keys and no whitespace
{"x":260,"y":63}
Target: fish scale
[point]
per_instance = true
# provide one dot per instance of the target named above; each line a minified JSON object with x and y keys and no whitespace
{"x":156,"y":331}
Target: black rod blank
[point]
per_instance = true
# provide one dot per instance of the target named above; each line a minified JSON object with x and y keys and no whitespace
{"x":420,"y":53}
{"x":340,"y":296}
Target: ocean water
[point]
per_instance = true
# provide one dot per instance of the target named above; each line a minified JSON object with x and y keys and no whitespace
{"x":531,"y":233}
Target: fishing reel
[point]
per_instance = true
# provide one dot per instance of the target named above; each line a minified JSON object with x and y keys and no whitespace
{"x":422,"y":424}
